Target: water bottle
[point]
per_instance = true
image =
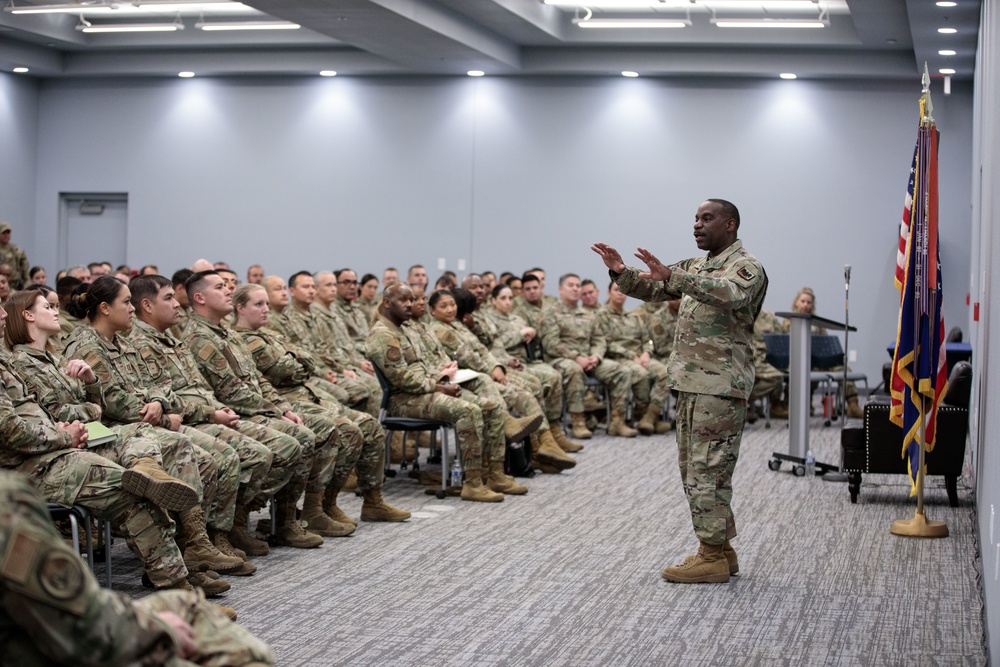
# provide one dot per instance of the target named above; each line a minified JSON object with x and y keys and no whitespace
{"x":456,"y":474}
{"x":810,"y":464}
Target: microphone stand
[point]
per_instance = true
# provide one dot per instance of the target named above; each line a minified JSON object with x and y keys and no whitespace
{"x":841,"y":476}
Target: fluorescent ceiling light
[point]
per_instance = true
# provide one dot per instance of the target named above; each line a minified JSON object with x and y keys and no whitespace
{"x":947,"y":31}
{"x":130,"y":7}
{"x":946,"y":4}
{"x":630,"y":74}
{"x":476,"y":72}
{"x":20,"y":70}
{"x":685,"y":4}
{"x":632,"y":23}
{"x":328,"y":72}
{"x":946,"y":70}
{"x":247,"y":25}
{"x":788,"y":75}
{"x":768,"y":23}
{"x":185,"y":75}
{"x":88,"y":27}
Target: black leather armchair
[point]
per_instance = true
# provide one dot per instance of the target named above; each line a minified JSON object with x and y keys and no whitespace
{"x":877,"y":447}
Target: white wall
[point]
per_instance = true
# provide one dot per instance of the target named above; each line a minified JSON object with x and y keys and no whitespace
{"x":18,"y":148}
{"x":510,"y":173}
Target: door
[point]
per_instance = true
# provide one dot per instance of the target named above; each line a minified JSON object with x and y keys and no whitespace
{"x":93,"y":227}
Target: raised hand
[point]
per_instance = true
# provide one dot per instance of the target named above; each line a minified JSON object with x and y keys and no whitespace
{"x":657,"y":271}
{"x":612,"y":258}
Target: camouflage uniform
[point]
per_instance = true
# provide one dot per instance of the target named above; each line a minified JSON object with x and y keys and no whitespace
{"x":478,"y":421}
{"x":529,"y":312}
{"x":67,"y":325}
{"x":13,"y":254}
{"x":508,"y":343}
{"x":464,"y":347}
{"x":712,"y":368}
{"x":353,"y":320}
{"x":54,"y":612}
{"x":569,"y":332}
{"x":172,"y":367}
{"x":628,"y":338}
{"x":225,"y":362}
{"x":768,"y":380}
{"x":367,"y":308}
{"x":293,"y":373}
{"x":184,"y":314}
{"x":661,"y":323}
{"x":207,"y":463}
{"x":31,"y":443}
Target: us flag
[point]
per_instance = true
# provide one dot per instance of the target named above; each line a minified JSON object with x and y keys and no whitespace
{"x":919,"y":365}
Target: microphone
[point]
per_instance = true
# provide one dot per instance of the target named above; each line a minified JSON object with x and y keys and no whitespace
{"x":847,"y":275}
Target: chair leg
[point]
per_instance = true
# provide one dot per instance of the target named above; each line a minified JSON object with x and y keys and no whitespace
{"x":107,"y":552}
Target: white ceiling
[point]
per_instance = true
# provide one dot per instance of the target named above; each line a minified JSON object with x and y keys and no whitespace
{"x":866,"y":39}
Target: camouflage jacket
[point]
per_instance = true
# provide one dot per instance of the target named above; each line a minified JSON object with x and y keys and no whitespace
{"x":334,"y":345}
{"x":284,"y":365}
{"x":67,"y":325}
{"x":626,"y":333}
{"x":178,"y":329}
{"x":720,"y":299}
{"x":367,"y":307}
{"x":393,"y":351}
{"x":661,"y":323}
{"x":508,"y":342}
{"x":353,"y":320}
{"x":26,"y":430}
{"x":171,"y":366}
{"x":482,"y":327}
{"x":53,"y":611}
{"x":18,"y":261}
{"x":64,"y":398}
{"x":425,"y":343}
{"x":463,"y":346}
{"x":529,"y":312}
{"x":278,"y":323}
{"x":123,"y":375}
{"x":569,"y":332}
{"x":229,"y":367}
{"x":766,"y":323}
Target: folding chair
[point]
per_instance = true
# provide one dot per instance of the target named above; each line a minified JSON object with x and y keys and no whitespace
{"x":410,"y":425}
{"x":78,"y":515}
{"x":828,"y":353}
{"x":779,"y":356}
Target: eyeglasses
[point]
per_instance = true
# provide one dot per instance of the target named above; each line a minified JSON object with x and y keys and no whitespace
{"x":347,"y":282}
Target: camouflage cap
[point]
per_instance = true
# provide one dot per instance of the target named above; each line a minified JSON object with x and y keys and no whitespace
{"x":4,"y":227}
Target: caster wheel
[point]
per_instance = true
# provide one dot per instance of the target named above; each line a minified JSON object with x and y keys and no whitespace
{"x":440,"y":495}
{"x":767,"y":426}
{"x":390,"y":473}
{"x":774,"y":464}
{"x":416,"y":467}
{"x":800,"y":471}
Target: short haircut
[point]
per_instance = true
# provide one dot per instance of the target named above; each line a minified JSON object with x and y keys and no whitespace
{"x":336,"y":274}
{"x":587,"y":281}
{"x":499,"y":287}
{"x":295,"y":276}
{"x":180,"y":277}
{"x":432,"y":302}
{"x":368,"y":277}
{"x":90,"y":267}
{"x":537,"y":268}
{"x":415,"y":266}
{"x":729,"y":209}
{"x":196,"y":282}
{"x":66,"y":285}
{"x":530,"y":278}
{"x":242,"y":294}
{"x":147,"y":287}
{"x":566,"y":276}
{"x":466,"y":302}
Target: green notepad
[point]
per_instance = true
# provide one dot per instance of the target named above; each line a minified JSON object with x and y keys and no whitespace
{"x":99,"y":434}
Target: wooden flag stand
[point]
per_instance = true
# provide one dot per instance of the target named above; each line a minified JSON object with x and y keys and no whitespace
{"x":919,"y":525}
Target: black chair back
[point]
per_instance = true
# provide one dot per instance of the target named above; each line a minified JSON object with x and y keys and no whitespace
{"x":778,"y":353}
{"x":384,"y":384}
{"x":959,"y":385}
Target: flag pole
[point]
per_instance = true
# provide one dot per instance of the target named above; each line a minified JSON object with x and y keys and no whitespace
{"x":920,"y":525}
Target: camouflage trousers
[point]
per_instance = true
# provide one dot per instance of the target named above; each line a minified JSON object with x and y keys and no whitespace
{"x":519,"y":396}
{"x":218,"y":641}
{"x":338,"y":444}
{"x":550,"y":385}
{"x":291,"y":447}
{"x":467,"y":412}
{"x":485,"y":393}
{"x":220,"y":506}
{"x":96,"y":485}
{"x":768,"y":381}
{"x":617,"y":378}
{"x":850,"y":389}
{"x":709,"y":431}
{"x":253,"y":461}
{"x":649,"y":385}
{"x":370,"y":465}
{"x":363,"y":394}
{"x":187,"y":462}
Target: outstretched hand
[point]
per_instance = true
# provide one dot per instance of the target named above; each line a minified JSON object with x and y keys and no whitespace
{"x":612,"y":258}
{"x":657,"y":271}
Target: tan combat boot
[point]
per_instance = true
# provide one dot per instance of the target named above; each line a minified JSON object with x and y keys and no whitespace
{"x":518,"y":428}
{"x":854,"y":411}
{"x":663,"y":426}
{"x":500,"y":482}
{"x":592,"y":404}
{"x":330,"y":507}
{"x":374,"y":508}
{"x":731,"y":560}
{"x":241,"y":538}
{"x":647,"y":424}
{"x":580,"y":429}
{"x":474,"y":490}
{"x":209,"y":582}
{"x":351,"y":484}
{"x":564,"y":443}
{"x":147,"y":479}
{"x":228,"y":611}
{"x":550,"y":453}
{"x":222,"y":543}
{"x":619,"y":427}
{"x":315,"y":520}
{"x":290,"y":532}
{"x":709,"y":566}
{"x":199,"y":552}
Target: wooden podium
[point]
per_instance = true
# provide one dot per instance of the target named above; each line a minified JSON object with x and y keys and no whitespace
{"x":799,"y":390}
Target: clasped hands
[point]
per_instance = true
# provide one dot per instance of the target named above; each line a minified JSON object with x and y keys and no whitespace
{"x":613,"y":260}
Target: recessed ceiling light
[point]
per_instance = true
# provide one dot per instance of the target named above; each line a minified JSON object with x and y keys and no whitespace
{"x":630,"y":74}
{"x":788,"y":75}
{"x":944,"y":3}
{"x":946,"y":70}
{"x":946,"y":52}
{"x":475,"y":72}
{"x":185,"y":75}
{"x":947,"y":31}
{"x":20,"y":70}
{"x":328,"y":72}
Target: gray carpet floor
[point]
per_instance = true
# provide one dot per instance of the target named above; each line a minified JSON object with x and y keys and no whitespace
{"x":570,"y":574}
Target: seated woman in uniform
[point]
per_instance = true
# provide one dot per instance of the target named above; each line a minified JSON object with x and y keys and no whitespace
{"x":367,"y":293}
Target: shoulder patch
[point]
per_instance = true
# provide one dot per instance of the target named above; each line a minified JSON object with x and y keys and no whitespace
{"x":61,"y":576}
{"x":393,"y":354}
{"x":20,"y":555}
{"x":745,"y":273}
{"x":205,"y":353}
{"x":255,"y":343}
